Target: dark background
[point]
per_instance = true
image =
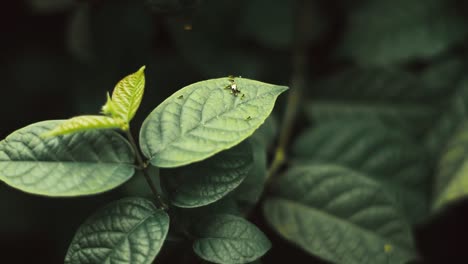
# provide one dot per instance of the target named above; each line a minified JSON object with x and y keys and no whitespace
{"x":59,"y":58}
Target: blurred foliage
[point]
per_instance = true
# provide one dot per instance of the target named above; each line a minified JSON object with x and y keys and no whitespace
{"x":396,"y":66}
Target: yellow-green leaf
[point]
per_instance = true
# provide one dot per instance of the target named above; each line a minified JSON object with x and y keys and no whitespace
{"x":127,"y":95}
{"x":83,"y":123}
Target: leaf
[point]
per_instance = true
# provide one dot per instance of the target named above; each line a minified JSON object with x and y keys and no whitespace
{"x":266,"y":133}
{"x":203,"y":119}
{"x":78,"y":164}
{"x":452,"y":115}
{"x":339,"y":215}
{"x":375,"y":85}
{"x":250,"y":190}
{"x":229,"y":239}
{"x":444,"y":75}
{"x":129,"y":230}
{"x":396,"y":98}
{"x":385,"y":155}
{"x":367,"y":147}
{"x":127,"y":95}
{"x":451,"y":181}
{"x":411,"y":118}
{"x":84,"y":123}
{"x":205,"y":182}
{"x":388,"y":32}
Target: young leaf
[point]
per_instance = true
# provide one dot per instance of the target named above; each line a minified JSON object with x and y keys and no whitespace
{"x":205,"y":118}
{"x":452,"y":174}
{"x":339,"y":215}
{"x":130,"y":230}
{"x":371,"y":148}
{"x":228,"y":239}
{"x":127,"y":95}
{"x":78,"y":164}
{"x":205,"y":182}
{"x":84,"y":123}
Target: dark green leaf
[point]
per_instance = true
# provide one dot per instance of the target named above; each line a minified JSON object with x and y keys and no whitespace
{"x":339,"y":215}
{"x":385,"y":155}
{"x":227,"y":239}
{"x":77,"y":164}
{"x":388,"y":31}
{"x":205,"y":182}
{"x":451,"y":117}
{"x":249,"y":192}
{"x":396,"y":98}
{"x":129,"y":231}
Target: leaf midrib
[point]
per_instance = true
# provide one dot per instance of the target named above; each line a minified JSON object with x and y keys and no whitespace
{"x":164,"y":147}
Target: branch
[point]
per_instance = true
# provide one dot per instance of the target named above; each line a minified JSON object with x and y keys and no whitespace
{"x":142,"y":166}
{"x":297,"y":83}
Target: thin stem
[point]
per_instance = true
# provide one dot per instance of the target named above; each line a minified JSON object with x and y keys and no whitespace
{"x":143,"y":167}
{"x":297,"y":84}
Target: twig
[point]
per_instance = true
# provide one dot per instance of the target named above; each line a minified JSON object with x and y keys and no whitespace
{"x":297,"y":84}
{"x":143,"y":167}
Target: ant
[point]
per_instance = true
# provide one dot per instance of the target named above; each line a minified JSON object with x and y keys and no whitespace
{"x":233,"y":86}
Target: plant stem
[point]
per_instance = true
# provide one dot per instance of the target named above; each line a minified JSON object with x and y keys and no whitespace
{"x":297,"y":84}
{"x":141,"y":164}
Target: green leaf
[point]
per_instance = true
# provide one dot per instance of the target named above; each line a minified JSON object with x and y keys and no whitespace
{"x":398,"y":99}
{"x":451,"y":182}
{"x":227,"y":239}
{"x":367,"y":147}
{"x":250,"y":190}
{"x":130,"y":230}
{"x":383,"y":154}
{"x":388,"y":31}
{"x":84,"y":123}
{"x":205,"y":182}
{"x":266,"y":133}
{"x":78,"y":164}
{"x":127,"y":95}
{"x":339,"y":215}
{"x":204,"y":118}
{"x":375,"y":85}
{"x":410,"y":117}
{"x":452,"y":115}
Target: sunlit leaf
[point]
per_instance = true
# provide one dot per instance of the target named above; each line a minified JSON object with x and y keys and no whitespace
{"x":71,"y":165}
{"x":127,"y":96}
{"x":205,"y":118}
{"x":84,"y":123}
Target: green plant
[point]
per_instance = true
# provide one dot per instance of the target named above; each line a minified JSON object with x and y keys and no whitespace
{"x":202,"y":134}
{"x":366,"y":165}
